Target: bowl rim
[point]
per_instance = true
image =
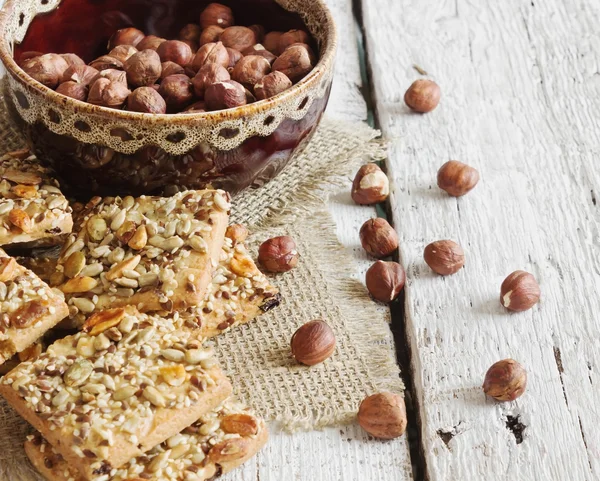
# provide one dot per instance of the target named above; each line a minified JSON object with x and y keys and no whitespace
{"x":324,"y":65}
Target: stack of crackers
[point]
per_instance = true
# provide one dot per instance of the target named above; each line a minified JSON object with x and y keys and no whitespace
{"x":133,"y":393}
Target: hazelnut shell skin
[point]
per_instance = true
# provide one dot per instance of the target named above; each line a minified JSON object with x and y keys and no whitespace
{"x":295,"y":63}
{"x":250,"y":70}
{"x":123,"y":52}
{"x":47,"y":69}
{"x":73,"y":90}
{"x":81,"y":74}
{"x":107,"y":93}
{"x":456,"y":178}
{"x":261,"y":51}
{"x":238,"y":38}
{"x":313,"y":343}
{"x":72,"y":59}
{"x":271,"y":41}
{"x":146,"y":100}
{"x":505,"y":380}
{"x":288,"y":38}
{"x":177,"y":92}
{"x":234,"y":57}
{"x":143,"y":68}
{"x":370,"y":186}
{"x":224,"y":95}
{"x":423,"y":96}
{"x":520,"y":291}
{"x":126,"y":36}
{"x":170,"y":68}
{"x":106,"y":62}
{"x":444,"y":257}
{"x":216,"y":14}
{"x":278,"y":254}
{"x":150,"y":42}
{"x":175,"y":51}
{"x":191,"y":31}
{"x":211,"y":34}
{"x":385,"y":281}
{"x":378,"y":237}
{"x":209,"y":74}
{"x":210,"y":53}
{"x":383,"y":415}
{"x":271,"y":85}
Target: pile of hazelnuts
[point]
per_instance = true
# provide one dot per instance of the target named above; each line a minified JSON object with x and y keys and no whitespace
{"x":214,"y":65}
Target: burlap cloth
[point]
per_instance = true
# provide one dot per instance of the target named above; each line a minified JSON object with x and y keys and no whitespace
{"x":257,"y":356}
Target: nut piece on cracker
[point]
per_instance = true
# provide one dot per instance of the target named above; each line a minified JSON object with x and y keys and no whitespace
{"x":105,"y":396}
{"x":215,"y":444}
{"x":32,"y":207}
{"x":28,"y":307}
{"x":155,"y":253}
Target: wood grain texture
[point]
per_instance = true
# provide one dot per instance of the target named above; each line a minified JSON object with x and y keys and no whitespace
{"x":520,"y":102}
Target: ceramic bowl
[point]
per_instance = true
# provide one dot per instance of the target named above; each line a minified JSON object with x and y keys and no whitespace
{"x":103,"y":151}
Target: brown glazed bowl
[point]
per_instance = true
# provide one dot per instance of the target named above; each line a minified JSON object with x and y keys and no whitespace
{"x":97,"y":150}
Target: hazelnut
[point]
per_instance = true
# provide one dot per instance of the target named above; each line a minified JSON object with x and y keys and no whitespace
{"x":445,"y":257}
{"x":195,"y":108}
{"x":210,"y":34}
{"x":278,"y":254}
{"x":28,"y":56}
{"x":126,"y":36}
{"x":146,"y":100}
{"x":107,"y":93}
{"x":383,"y":415}
{"x":177,"y":92}
{"x":191,"y":31}
{"x":194,"y":46}
{"x":225,"y":95}
{"x":150,"y":42}
{"x":378,"y":237}
{"x":237,"y":233}
{"x":216,"y":14}
{"x":506,"y":380}
{"x":370,"y":185}
{"x":234,"y":57}
{"x":211,"y":53}
{"x":311,"y":53}
{"x":519,"y":291}
{"x":288,"y":38}
{"x":385,"y":280}
{"x":123,"y":52}
{"x":114,"y":75}
{"x":294,"y":62}
{"x":238,"y":38}
{"x":143,"y":68}
{"x":170,"y":68}
{"x":259,"y":31}
{"x":250,"y":98}
{"x":271,"y":85}
{"x":457,"y":178}
{"x":313,"y":343}
{"x":260,"y":50}
{"x":72,"y":59}
{"x":106,"y":62}
{"x":271,"y":41}
{"x":209,"y":74}
{"x":47,"y":69}
{"x":81,"y":74}
{"x":175,"y":51}
{"x":423,"y":95}
{"x":250,"y":70}
{"x":74,"y":90}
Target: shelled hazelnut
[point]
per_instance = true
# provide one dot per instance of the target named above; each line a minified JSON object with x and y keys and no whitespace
{"x":208,"y":75}
{"x":313,"y":343}
{"x":445,"y":257}
{"x":250,"y":70}
{"x":150,"y":42}
{"x":520,"y":291}
{"x":505,"y":380}
{"x":143,"y":68}
{"x":146,"y":100}
{"x":216,"y":14}
{"x":295,"y":63}
{"x":271,"y":85}
{"x":378,"y":237}
{"x":224,"y":95}
{"x":177,"y":91}
{"x":385,"y":280}
{"x":370,"y":185}
{"x":383,"y":415}
{"x":457,"y":178}
{"x":211,"y":34}
{"x":175,"y":51}
{"x":126,"y":36}
{"x":423,"y":95}
{"x":226,"y":66}
{"x":238,"y":38}
{"x":279,"y":254}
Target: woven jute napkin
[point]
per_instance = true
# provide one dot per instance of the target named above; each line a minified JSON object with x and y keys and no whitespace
{"x":257,"y":356}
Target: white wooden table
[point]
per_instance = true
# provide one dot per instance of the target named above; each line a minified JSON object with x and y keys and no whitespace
{"x":521,"y":103}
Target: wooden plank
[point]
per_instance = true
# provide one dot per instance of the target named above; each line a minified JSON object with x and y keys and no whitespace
{"x":520,"y":96}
